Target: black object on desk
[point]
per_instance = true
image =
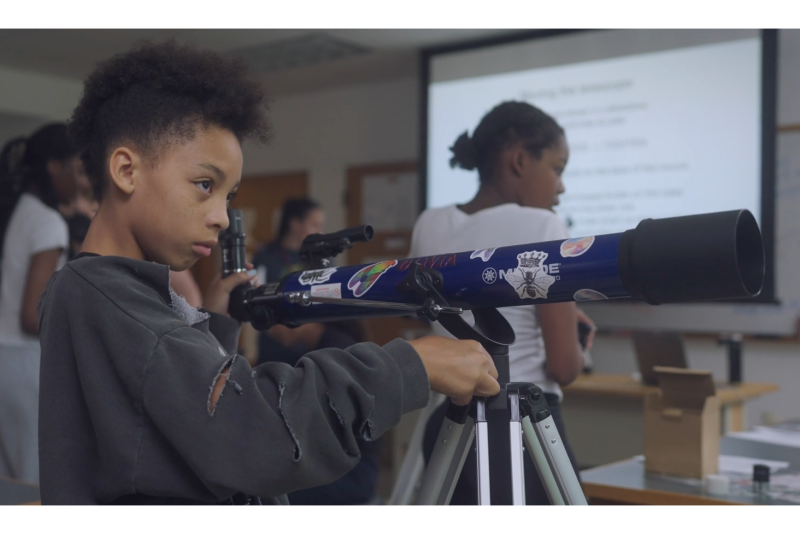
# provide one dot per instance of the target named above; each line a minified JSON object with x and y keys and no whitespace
{"x":760,"y":479}
{"x":734,"y":344}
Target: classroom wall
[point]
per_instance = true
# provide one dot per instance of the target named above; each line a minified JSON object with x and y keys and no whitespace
{"x":324,"y":133}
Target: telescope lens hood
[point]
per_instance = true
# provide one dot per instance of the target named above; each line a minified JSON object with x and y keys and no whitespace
{"x":712,"y":256}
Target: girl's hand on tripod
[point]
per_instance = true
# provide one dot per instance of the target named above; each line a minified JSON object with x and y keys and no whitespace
{"x":219,"y":290}
{"x":457,"y":368}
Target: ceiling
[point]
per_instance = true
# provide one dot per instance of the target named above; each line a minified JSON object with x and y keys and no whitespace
{"x":380,"y":54}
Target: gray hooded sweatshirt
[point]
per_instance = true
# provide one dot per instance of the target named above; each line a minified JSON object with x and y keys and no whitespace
{"x":126,"y":374}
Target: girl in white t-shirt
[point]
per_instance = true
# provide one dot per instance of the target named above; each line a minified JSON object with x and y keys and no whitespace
{"x":36,"y":175}
{"x":520,"y":153}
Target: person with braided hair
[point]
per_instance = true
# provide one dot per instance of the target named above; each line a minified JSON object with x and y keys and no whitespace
{"x":520,"y":153}
{"x":36,"y":175}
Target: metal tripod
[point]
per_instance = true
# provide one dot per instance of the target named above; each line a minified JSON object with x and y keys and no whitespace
{"x":530,"y":423}
{"x":529,"y":420}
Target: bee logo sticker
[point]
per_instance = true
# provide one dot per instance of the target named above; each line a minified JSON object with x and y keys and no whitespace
{"x":363,"y":280}
{"x":572,"y":248}
{"x":530,"y":279}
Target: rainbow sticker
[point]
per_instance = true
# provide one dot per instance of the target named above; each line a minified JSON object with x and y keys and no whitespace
{"x":576,"y":246}
{"x":583,"y":295}
{"x":363,"y":280}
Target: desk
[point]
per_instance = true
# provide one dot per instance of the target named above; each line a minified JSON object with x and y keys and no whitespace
{"x":604,"y":414}
{"x":627,"y":482}
{"x":16,"y":492}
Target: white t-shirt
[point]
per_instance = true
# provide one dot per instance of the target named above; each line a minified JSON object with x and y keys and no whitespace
{"x":33,"y":228}
{"x":449,"y":229}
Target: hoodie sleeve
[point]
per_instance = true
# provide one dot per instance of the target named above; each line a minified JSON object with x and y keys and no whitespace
{"x":277,"y":428}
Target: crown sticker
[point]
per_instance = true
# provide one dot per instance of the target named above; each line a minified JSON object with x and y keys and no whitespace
{"x":530,"y":279}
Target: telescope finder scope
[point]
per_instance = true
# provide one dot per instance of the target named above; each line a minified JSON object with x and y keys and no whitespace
{"x":232,"y":242}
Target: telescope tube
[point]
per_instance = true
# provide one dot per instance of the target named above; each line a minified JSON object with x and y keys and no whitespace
{"x":693,"y":258}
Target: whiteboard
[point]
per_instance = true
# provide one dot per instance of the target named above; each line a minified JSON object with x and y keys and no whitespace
{"x":781,"y":319}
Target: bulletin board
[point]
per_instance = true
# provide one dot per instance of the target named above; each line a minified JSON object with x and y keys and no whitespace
{"x":385,"y":196}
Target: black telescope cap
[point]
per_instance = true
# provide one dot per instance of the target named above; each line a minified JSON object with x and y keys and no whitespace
{"x":712,"y":256}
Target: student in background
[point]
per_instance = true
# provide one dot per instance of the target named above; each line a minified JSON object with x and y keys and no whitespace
{"x":84,"y":202}
{"x":36,"y":175}
{"x":520,"y":153}
{"x":300,"y":217}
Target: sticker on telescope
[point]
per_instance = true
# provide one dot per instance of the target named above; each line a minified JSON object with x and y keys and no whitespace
{"x":583,"y":295}
{"x":489,"y":275}
{"x":484,"y":254}
{"x":576,"y":246}
{"x":363,"y":280}
{"x":318,"y":276}
{"x":530,"y":279}
{"x":330,"y":291}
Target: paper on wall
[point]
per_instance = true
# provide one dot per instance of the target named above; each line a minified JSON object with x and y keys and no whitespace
{"x":389,"y":201}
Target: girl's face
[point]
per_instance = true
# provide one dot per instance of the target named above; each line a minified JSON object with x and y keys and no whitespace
{"x":540,"y":183}
{"x":313,"y":223}
{"x":64,"y":174}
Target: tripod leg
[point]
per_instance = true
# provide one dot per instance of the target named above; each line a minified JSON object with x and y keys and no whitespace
{"x":457,"y":463}
{"x":540,"y":429}
{"x":517,"y":469}
{"x":540,"y":461}
{"x":414,"y":463}
{"x":447,"y":459}
{"x":482,"y":439}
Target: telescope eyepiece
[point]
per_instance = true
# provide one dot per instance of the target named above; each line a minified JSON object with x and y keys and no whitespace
{"x":232,"y":242}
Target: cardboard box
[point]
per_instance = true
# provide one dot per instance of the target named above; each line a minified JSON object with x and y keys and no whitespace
{"x":682,"y":424}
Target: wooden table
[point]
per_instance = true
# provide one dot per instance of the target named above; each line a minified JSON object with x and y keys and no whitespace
{"x":16,"y":492}
{"x":604,"y":414}
{"x":627,"y":482}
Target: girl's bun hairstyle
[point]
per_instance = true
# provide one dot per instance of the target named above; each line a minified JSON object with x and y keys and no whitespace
{"x":504,"y":126}
{"x":463,"y":153}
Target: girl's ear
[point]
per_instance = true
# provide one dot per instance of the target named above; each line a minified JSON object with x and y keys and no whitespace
{"x":123,"y":167}
{"x":518,"y":161}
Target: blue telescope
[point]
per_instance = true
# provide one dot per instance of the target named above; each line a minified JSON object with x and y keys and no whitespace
{"x":693,"y":258}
